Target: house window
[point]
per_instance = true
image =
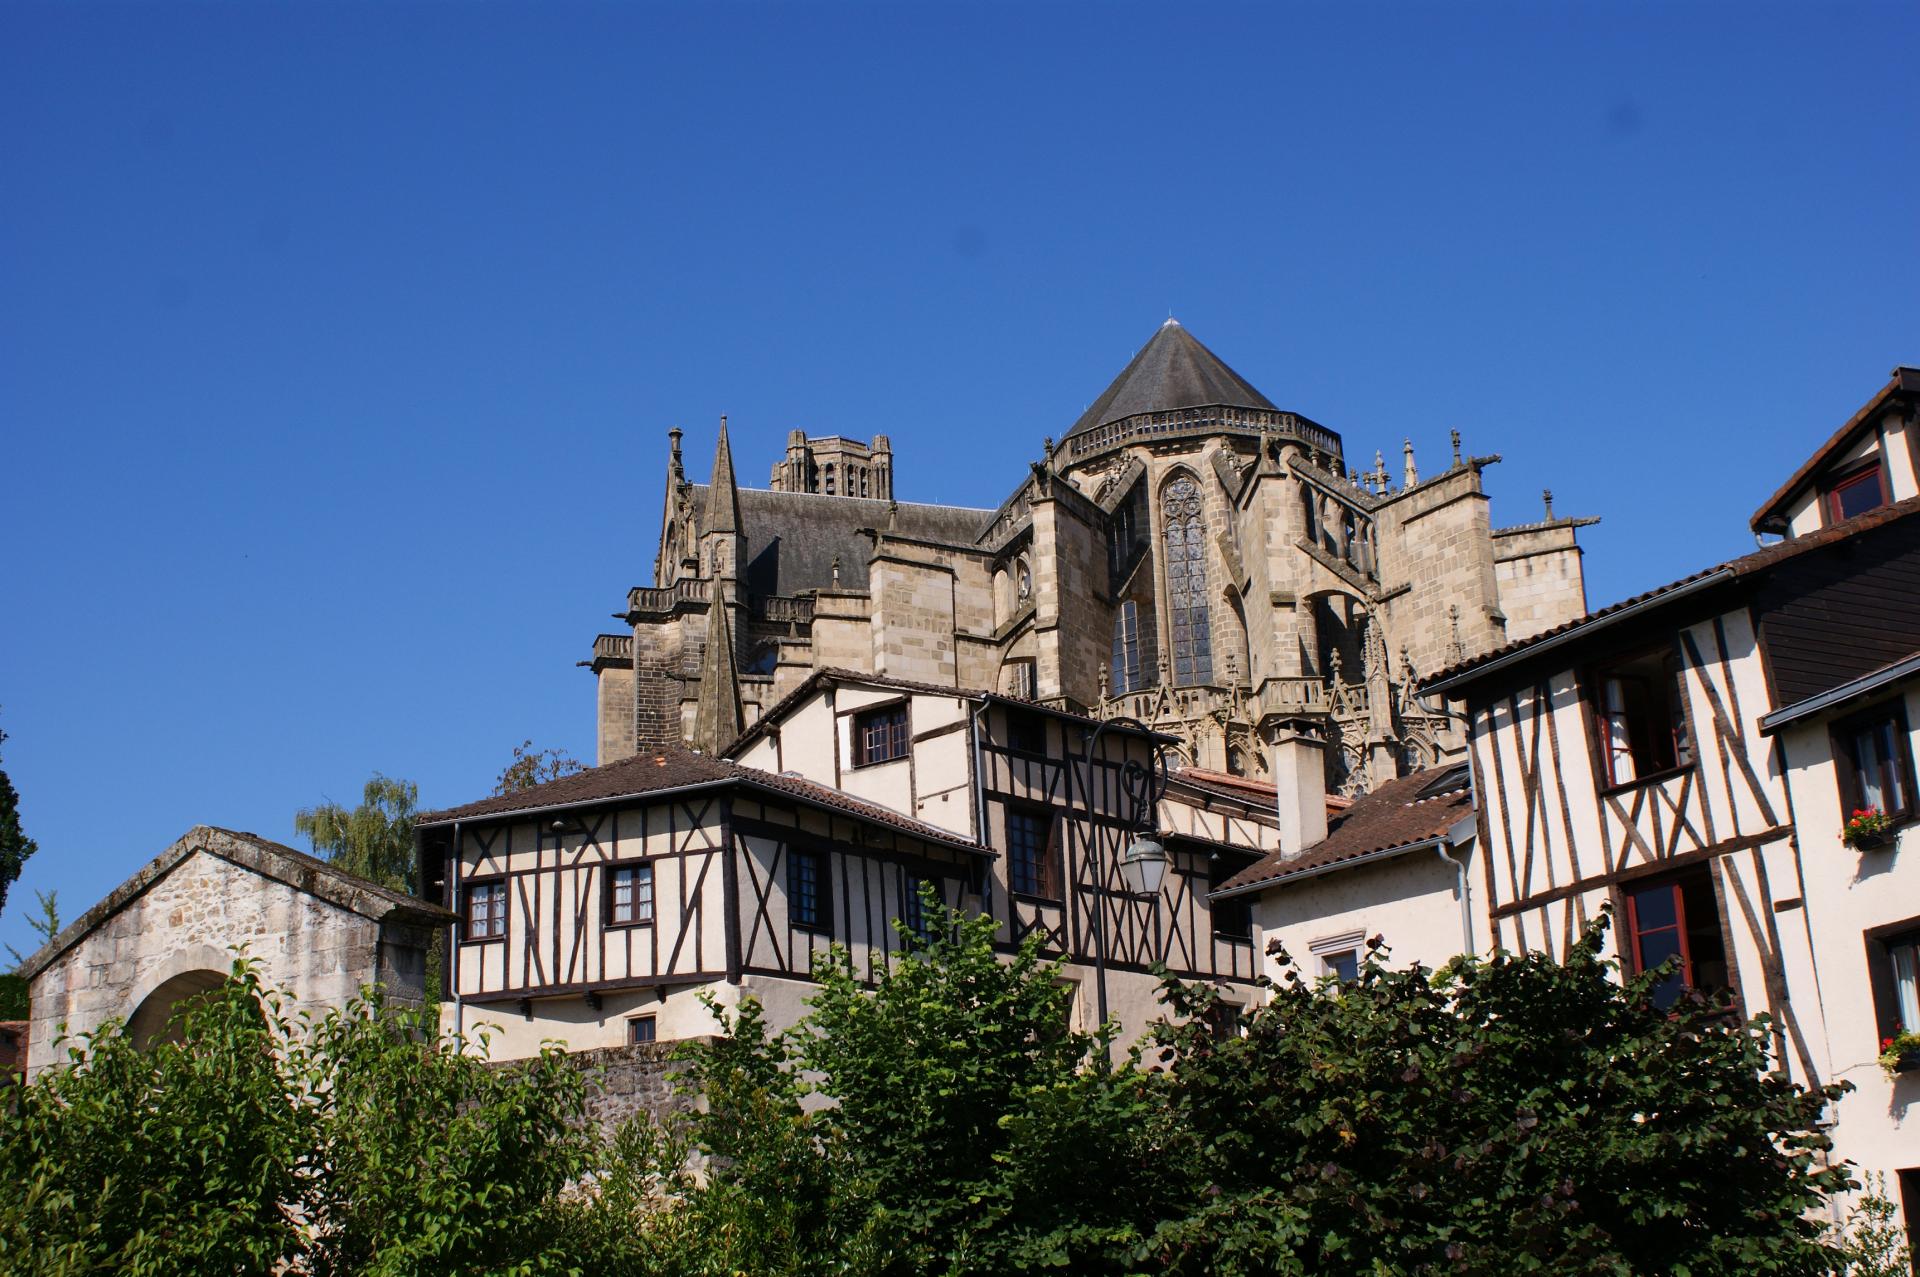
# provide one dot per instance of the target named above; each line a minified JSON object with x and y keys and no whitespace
{"x":1856,"y":493}
{"x":486,"y":911}
{"x":1126,"y":649}
{"x":1187,"y":583}
{"x":1342,"y":964}
{"x":642,"y":1028}
{"x":913,"y":911}
{"x":1874,"y":764}
{"x":1232,"y":917}
{"x":1677,"y":916}
{"x":1225,"y":1020}
{"x":1031,"y":869}
{"x":1641,"y":717}
{"x":629,"y":895}
{"x":807,"y":897}
{"x":1893,"y":962}
{"x":1026,"y":732}
{"x":880,"y":735}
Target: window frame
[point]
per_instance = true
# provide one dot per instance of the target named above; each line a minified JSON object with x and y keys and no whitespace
{"x":1050,"y":876}
{"x":1594,"y":679}
{"x":1628,"y":909}
{"x":469,"y":934}
{"x":821,"y":920}
{"x":903,"y":737}
{"x":1240,"y":905}
{"x":1883,"y":977}
{"x":652,"y":1034}
{"x":1846,"y":767}
{"x":611,"y":869}
{"x":1021,"y":721}
{"x":1853,"y":477}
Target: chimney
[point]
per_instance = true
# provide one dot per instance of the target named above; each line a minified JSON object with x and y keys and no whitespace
{"x":1300,"y":785}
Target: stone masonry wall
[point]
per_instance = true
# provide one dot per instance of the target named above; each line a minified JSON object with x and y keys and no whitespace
{"x":186,"y":921}
{"x":626,"y":1081}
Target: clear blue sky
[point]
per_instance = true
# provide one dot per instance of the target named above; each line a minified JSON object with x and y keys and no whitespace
{"x":338,"y":343}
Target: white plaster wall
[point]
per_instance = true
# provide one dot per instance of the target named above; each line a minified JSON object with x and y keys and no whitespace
{"x":1411,"y":901}
{"x":1848,"y":894}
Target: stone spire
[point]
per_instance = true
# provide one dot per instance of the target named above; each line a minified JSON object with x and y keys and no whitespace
{"x":723,"y":512}
{"x":716,"y":718}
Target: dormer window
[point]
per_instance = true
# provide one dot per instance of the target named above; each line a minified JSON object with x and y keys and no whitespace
{"x":1856,"y":492}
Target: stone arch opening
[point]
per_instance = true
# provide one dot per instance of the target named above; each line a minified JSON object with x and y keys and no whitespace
{"x":153,"y":1021}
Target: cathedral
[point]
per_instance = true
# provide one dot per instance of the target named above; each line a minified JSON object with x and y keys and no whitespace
{"x":1187,"y":554}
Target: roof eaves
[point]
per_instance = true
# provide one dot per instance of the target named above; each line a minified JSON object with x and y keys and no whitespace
{"x":1475,"y":671}
{"x":1331,"y":866}
{"x":1834,"y":697}
{"x":1905,"y":380}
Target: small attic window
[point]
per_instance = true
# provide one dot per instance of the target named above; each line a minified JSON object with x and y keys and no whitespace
{"x":1856,"y":492}
{"x":1446,"y":782}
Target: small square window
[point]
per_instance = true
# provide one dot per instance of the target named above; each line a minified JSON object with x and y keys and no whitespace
{"x":642,"y":1028}
{"x":1026,"y":732}
{"x":880,"y":735}
{"x":1343,"y":965}
{"x":486,"y":911}
{"x":1640,"y":712}
{"x":1874,"y":764}
{"x":807,"y":890}
{"x":1032,"y":866}
{"x":1856,"y":493}
{"x":629,"y":895}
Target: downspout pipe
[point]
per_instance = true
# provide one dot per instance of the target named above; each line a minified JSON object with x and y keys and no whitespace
{"x":1460,"y":890}
{"x":452,"y":963}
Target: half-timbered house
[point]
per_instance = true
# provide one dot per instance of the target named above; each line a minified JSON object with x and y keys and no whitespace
{"x":600,"y":907}
{"x":1688,"y":757}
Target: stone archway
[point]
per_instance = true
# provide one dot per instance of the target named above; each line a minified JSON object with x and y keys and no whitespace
{"x":152,"y":1021}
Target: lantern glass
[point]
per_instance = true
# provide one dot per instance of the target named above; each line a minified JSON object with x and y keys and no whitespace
{"x":1143,"y":867}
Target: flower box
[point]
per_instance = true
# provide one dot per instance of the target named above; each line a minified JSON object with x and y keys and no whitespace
{"x":1866,"y":829}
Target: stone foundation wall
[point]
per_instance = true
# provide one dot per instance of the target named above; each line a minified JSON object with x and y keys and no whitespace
{"x":626,"y":1081}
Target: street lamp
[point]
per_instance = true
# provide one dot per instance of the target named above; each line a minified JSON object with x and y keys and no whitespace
{"x":1143,"y":865}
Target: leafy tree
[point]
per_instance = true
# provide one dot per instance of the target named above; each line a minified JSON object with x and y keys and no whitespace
{"x":46,"y":924}
{"x":532,"y":767}
{"x":373,"y":840}
{"x":15,"y":846}
{"x":1871,"y":1242}
{"x":262,"y":1142}
{"x":1509,"y":1116}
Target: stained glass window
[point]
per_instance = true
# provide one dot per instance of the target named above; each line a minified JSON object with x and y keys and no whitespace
{"x":1187,"y":582}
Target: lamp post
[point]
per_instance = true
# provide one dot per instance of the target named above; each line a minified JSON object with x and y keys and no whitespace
{"x":1143,"y":865}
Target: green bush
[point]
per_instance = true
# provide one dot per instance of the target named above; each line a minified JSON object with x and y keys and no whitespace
{"x":1509,"y":1116}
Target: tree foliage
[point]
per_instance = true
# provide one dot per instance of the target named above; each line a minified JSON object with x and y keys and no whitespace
{"x":532,"y":767}
{"x":264,"y":1142}
{"x":1509,"y":1116}
{"x":15,"y":846}
{"x":374,"y":839}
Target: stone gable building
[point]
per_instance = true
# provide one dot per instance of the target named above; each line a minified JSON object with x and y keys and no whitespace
{"x":173,"y":930}
{"x":1187,"y":553}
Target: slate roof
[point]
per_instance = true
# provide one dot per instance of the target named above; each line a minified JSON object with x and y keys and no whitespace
{"x":1771,"y":517}
{"x":1732,"y":570}
{"x":1172,"y":371}
{"x":260,"y":855}
{"x":662,"y":769}
{"x":1392,"y":816}
{"x":792,"y":538}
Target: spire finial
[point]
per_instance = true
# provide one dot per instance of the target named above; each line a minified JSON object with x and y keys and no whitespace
{"x":1412,"y":475}
{"x":1456,"y":447}
{"x":1546,"y":495}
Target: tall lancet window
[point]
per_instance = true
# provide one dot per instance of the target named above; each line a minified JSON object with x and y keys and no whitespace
{"x":1187,"y":582}
{"x":1126,"y":649}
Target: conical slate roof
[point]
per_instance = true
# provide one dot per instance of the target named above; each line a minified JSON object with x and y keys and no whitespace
{"x":723,"y":508}
{"x":1172,"y":371}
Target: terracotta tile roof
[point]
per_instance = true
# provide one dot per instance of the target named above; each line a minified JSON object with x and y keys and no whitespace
{"x":1733,"y":569}
{"x":1394,"y":815}
{"x":1771,"y":517}
{"x":1260,"y":793}
{"x":660,"y":770}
